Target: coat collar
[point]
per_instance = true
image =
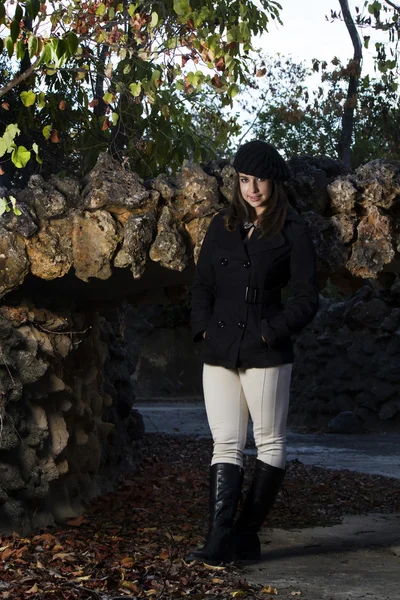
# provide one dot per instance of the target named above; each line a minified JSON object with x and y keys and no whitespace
{"x":256,"y":244}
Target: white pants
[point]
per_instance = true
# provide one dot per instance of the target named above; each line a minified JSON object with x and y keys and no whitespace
{"x":230,"y":394}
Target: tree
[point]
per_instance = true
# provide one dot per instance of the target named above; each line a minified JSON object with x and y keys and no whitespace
{"x":382,"y":16}
{"x":119,"y":76}
{"x":300,"y":119}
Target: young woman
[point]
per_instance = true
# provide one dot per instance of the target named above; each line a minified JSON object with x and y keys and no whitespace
{"x":250,"y":252}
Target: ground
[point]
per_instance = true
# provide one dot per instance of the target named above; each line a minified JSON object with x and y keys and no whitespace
{"x":332,"y":535}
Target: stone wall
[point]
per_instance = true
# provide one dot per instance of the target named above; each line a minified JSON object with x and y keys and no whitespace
{"x":81,"y":250}
{"x":67,"y":428}
{"x":348,"y":361}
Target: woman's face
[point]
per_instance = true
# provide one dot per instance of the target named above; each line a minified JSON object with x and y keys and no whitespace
{"x":255,"y":191}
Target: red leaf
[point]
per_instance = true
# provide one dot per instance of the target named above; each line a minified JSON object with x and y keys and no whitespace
{"x":55,"y":138}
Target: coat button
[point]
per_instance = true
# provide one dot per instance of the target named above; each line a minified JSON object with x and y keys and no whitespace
{"x":241,"y":325}
{"x":247,"y":264}
{"x":224,"y":262}
{"x":221,"y":324}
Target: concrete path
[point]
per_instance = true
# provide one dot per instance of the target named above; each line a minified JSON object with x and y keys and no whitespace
{"x":356,"y":560}
{"x":369,"y":453}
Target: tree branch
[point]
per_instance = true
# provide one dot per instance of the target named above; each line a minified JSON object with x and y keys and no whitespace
{"x":18,"y":79}
{"x":393,"y":5}
{"x":346,"y":135}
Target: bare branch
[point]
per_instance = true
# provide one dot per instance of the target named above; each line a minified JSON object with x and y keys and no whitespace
{"x":18,"y":79}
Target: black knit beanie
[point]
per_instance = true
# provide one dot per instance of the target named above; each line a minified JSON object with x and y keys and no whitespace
{"x":261,"y":159}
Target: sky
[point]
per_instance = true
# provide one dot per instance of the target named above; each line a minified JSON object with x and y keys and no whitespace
{"x":307,"y":34}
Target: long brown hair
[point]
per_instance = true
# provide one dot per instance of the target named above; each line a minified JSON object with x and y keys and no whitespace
{"x":272,"y":219}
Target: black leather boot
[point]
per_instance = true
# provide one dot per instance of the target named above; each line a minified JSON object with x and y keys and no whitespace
{"x":260,"y":498}
{"x":225,"y":489}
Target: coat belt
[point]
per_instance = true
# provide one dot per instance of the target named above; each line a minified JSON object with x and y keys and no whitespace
{"x":250,"y":294}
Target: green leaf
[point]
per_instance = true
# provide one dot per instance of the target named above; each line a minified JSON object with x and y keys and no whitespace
{"x":114,"y":118}
{"x":42,"y":100}
{"x":15,"y":208}
{"x":72,"y":42}
{"x":182,"y":7}
{"x":20,"y":156}
{"x":154,"y":20}
{"x":233,"y":90}
{"x":3,"y":147}
{"x":3,"y":206}
{"x":28,"y":98}
{"x":18,"y":13}
{"x":33,"y":45}
{"x":15,"y":30}
{"x":47,"y":131}
{"x":45,"y":57}
{"x":35,"y":148}
{"x":32,"y":8}
{"x":135,"y":89}
{"x":10,"y":47}
{"x":61,"y":48}
{"x":108,"y":98}
{"x":11,"y":131}
{"x":20,"y":50}
{"x":101,"y":10}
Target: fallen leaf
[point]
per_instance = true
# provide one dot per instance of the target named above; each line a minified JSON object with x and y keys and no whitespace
{"x":298,"y":593}
{"x":131,"y":586}
{"x":213,"y":568}
{"x":217,"y":580}
{"x":127,"y":562}
{"x":268,"y":589}
{"x":34,"y":589}
{"x":79,"y":520}
{"x":64,"y":556}
{"x":238,"y":593}
{"x":7,"y":553}
{"x":151,"y":592}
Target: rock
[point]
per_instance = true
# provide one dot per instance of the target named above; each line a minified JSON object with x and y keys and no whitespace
{"x":69,"y":188}
{"x":229,"y":179}
{"x":343,"y":195}
{"x":379,"y":182}
{"x":58,"y":433}
{"x":50,"y":251}
{"x":138,"y":235}
{"x":345,"y":422}
{"x":164,"y":186}
{"x":94,"y":241}
{"x":169,"y":248}
{"x":13,"y":261}
{"x":10,"y":478}
{"x":308,"y":184}
{"x":197,"y":230}
{"x":331,"y":238}
{"x":109,"y":184}
{"x":388,"y":410}
{"x":48,"y":202}
{"x":373,"y":248}
{"x":197,"y":193}
{"x":25,"y":224}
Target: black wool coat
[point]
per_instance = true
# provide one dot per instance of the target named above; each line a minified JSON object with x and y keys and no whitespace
{"x":236,"y":295}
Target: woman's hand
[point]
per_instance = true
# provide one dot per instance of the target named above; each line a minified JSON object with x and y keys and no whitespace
{"x":204,"y":335}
